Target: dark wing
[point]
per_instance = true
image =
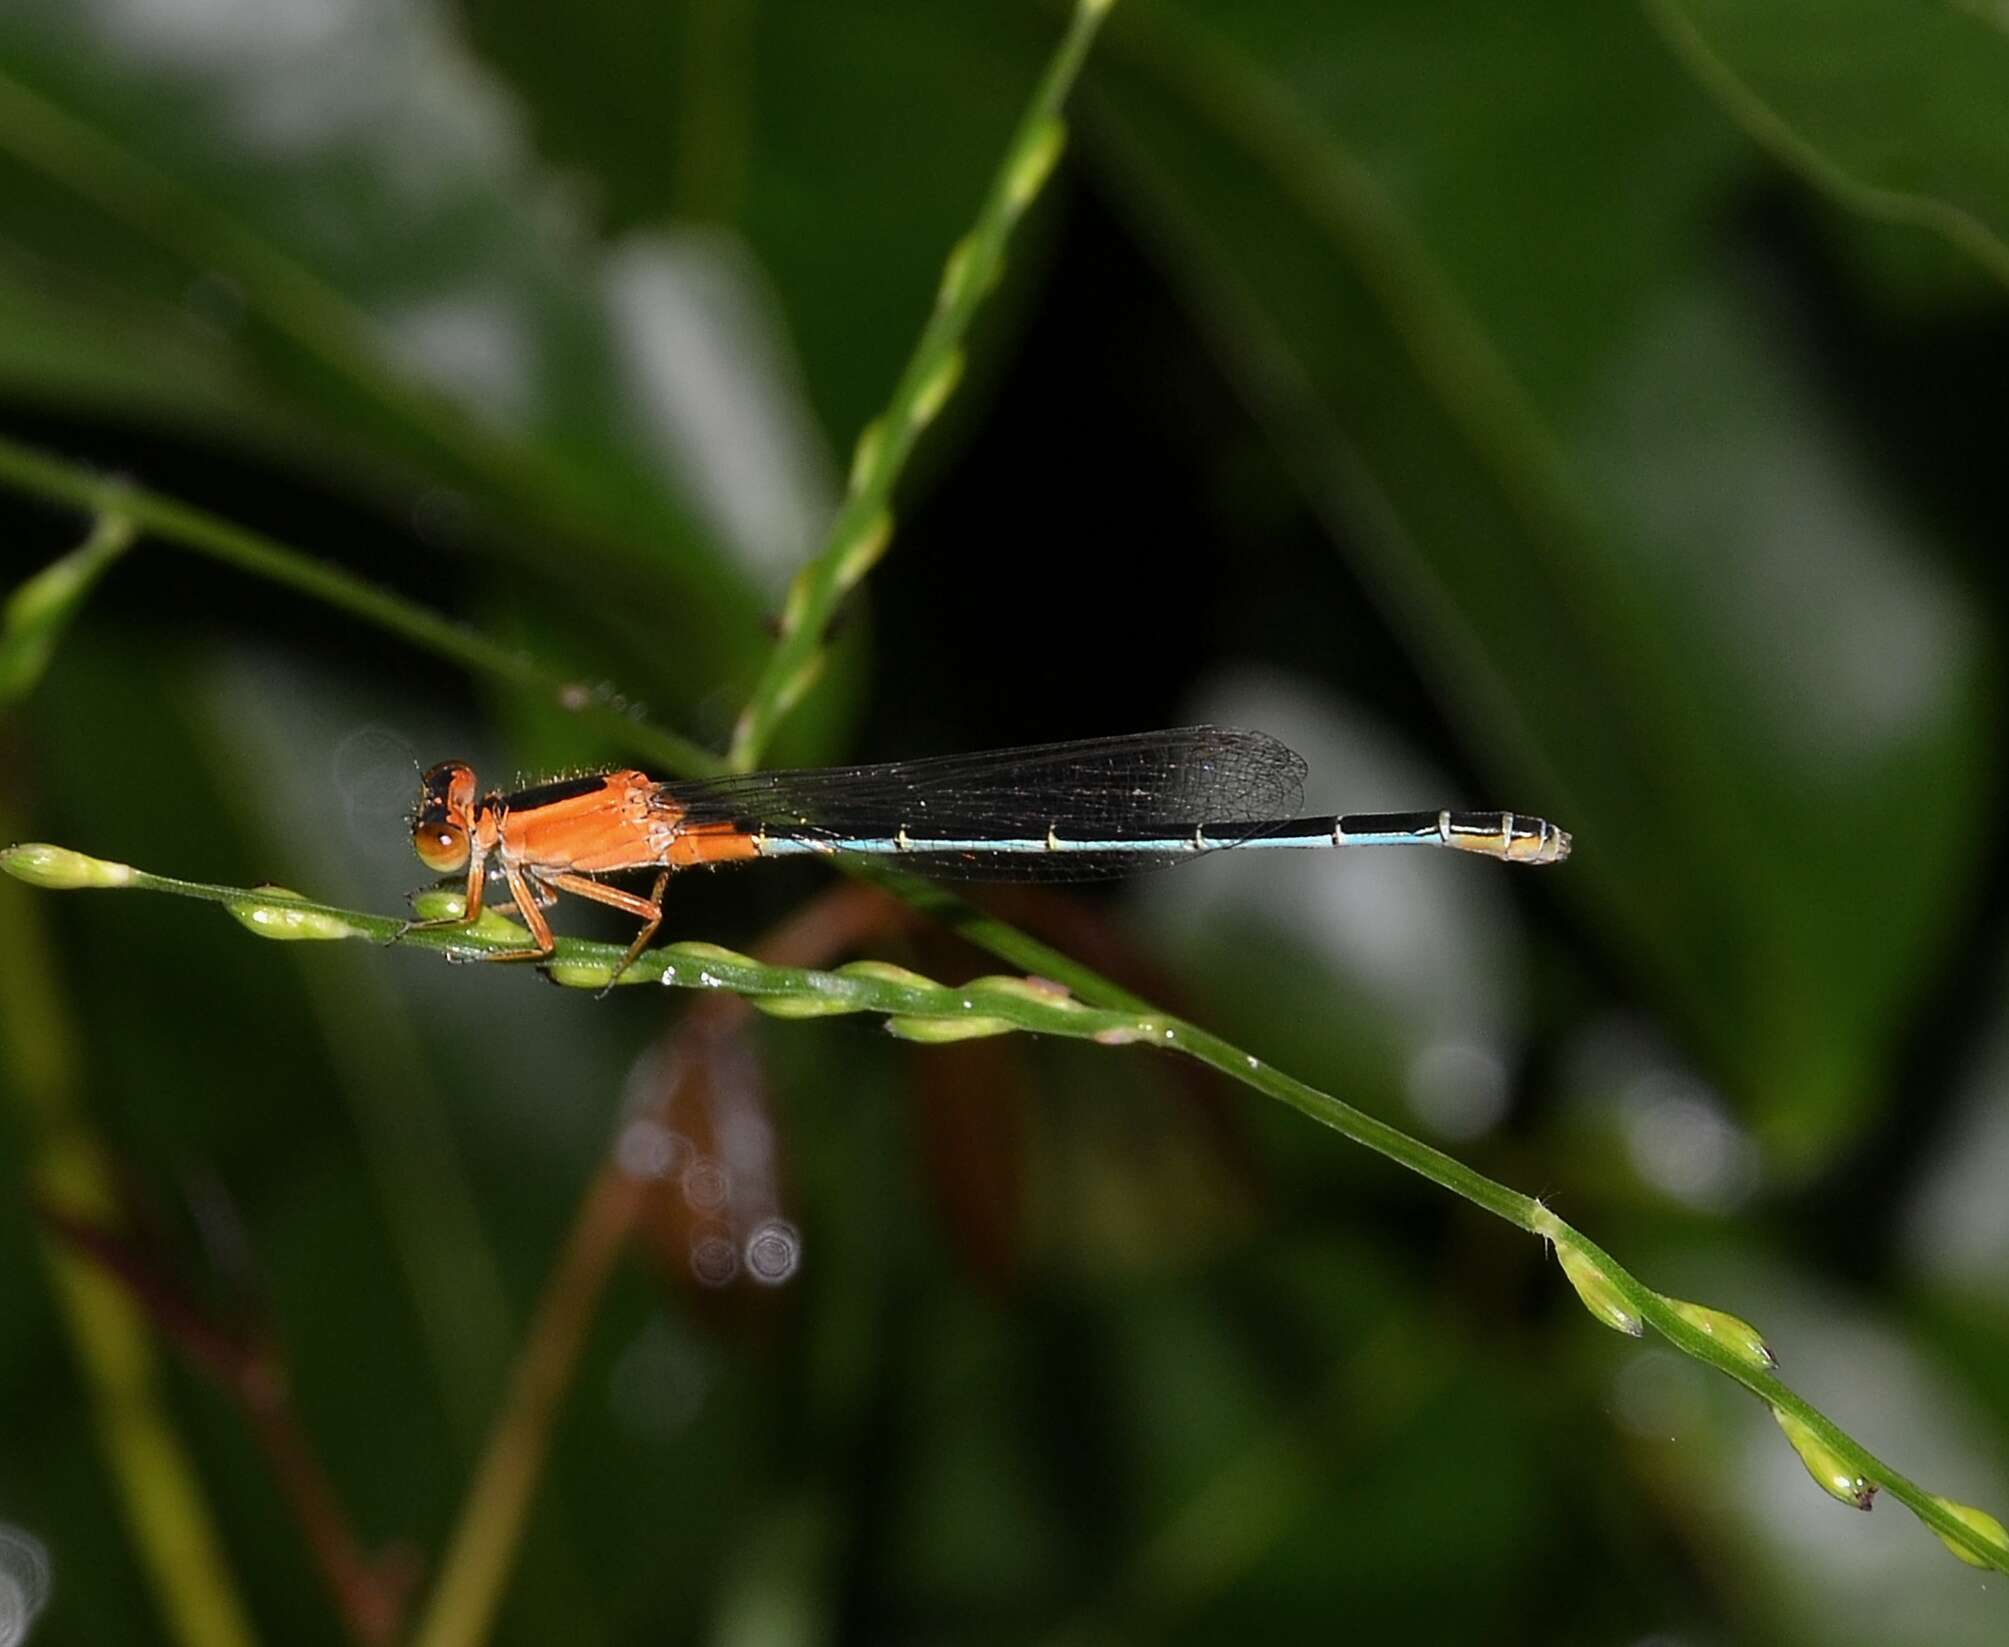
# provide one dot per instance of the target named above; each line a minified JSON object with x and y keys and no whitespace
{"x":1144,"y":786}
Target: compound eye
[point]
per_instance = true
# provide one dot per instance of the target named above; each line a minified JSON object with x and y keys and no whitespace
{"x":442,"y":847}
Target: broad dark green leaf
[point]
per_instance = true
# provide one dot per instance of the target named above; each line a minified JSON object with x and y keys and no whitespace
{"x":850,"y":143}
{"x":321,"y":232}
{"x":1585,"y":478}
{"x":1895,"y":108}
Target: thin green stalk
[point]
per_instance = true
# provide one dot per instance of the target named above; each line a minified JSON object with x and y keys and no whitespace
{"x":196,"y":530}
{"x":320,"y":319}
{"x":864,"y":523}
{"x":34,"y":616}
{"x":160,"y":1493}
{"x":193,"y":529}
{"x":474,"y":1571}
{"x":919,"y":1009}
{"x":987,"y":932}
{"x":1767,"y":127}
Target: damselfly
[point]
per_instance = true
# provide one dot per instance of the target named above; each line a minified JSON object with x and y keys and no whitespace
{"x":1055,"y":811}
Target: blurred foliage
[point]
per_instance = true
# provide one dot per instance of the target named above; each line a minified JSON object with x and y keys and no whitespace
{"x":1594,"y":413}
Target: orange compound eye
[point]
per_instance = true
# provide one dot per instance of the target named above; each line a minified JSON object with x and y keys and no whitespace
{"x":442,"y":847}
{"x":445,"y":817}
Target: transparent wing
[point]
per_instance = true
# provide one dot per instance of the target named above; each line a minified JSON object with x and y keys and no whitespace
{"x":1137,"y":788}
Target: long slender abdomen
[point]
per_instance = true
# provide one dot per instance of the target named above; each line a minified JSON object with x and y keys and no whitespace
{"x":1512,"y":837}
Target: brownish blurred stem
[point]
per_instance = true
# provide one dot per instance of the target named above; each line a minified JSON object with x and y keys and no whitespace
{"x":370,"y":1594}
{"x":483,"y":1548}
{"x":478,"y":1559}
{"x":150,"y":1468}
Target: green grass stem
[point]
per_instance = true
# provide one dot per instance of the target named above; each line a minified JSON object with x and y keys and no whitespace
{"x":919,"y":1008}
{"x":864,"y":524}
{"x":175,"y":1538}
{"x":186,"y":527}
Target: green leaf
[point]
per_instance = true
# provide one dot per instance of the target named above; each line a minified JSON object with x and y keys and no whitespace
{"x":322,"y":234}
{"x":34,"y":616}
{"x":1588,"y":486}
{"x":847,"y":141}
{"x":1894,"y":108}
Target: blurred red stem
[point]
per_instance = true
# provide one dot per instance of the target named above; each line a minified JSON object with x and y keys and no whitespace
{"x":369,"y":1594}
{"x":497,"y":1505}
{"x":496,"y":1508}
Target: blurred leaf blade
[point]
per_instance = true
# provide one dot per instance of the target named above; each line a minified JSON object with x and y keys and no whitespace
{"x":167,"y":1513}
{"x":341,"y":207}
{"x":860,"y":533}
{"x":36,"y":612}
{"x":1569,"y":652}
{"x":1893,"y":109}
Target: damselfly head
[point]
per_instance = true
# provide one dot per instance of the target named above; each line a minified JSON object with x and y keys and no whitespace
{"x":445,"y":816}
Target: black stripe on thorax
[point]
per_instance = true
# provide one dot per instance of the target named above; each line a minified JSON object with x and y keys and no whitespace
{"x":549,"y":794}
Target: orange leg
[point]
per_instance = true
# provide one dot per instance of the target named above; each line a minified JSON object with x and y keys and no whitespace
{"x":542,"y":895}
{"x":649,"y":909}
{"x":477,"y":878}
{"x":530,"y":908}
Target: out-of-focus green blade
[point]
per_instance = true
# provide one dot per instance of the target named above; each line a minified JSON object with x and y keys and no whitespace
{"x":1618,"y":530}
{"x":1894,"y":108}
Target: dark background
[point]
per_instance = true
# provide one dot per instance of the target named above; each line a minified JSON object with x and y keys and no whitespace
{"x":1596,"y":414}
